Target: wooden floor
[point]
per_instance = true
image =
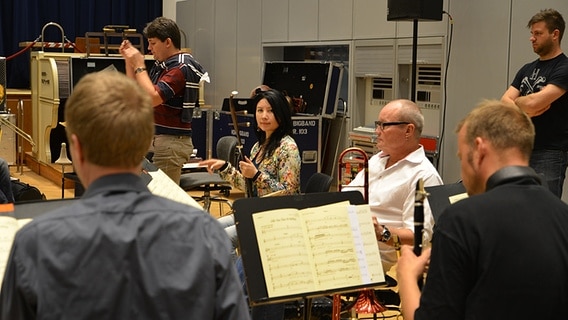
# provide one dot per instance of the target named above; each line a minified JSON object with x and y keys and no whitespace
{"x":52,"y":190}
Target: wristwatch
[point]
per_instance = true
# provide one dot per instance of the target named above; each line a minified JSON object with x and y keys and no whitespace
{"x":139,"y":69}
{"x":386,"y":234}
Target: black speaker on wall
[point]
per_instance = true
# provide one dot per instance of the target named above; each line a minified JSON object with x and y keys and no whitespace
{"x":414,"y":9}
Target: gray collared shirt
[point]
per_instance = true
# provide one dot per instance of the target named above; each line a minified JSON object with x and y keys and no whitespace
{"x":122,"y":253}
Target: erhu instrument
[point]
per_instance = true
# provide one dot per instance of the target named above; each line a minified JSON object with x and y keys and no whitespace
{"x":236,"y":125}
{"x":419,"y":198}
{"x":351,"y":162}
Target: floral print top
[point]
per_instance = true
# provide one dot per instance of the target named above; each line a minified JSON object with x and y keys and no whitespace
{"x":281,"y":171}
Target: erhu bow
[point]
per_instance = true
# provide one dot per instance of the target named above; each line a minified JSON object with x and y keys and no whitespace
{"x":236,"y":125}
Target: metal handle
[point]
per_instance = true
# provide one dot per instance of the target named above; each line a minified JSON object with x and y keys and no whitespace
{"x":62,"y":34}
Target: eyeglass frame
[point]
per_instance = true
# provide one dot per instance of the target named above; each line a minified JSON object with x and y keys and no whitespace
{"x":382,"y":125}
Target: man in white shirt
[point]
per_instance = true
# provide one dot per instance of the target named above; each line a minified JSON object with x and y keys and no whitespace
{"x":393,"y":175}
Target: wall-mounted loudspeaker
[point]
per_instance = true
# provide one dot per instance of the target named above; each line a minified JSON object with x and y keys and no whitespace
{"x":2,"y":84}
{"x":414,"y":9}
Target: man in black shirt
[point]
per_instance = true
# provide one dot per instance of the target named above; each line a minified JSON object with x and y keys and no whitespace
{"x":539,"y":89}
{"x":506,"y":246}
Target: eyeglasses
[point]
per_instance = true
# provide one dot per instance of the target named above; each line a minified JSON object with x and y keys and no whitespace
{"x":383,"y":125}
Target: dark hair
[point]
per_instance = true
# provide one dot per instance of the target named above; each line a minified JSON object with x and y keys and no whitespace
{"x":553,"y":20}
{"x":281,"y":110}
{"x":163,"y":28}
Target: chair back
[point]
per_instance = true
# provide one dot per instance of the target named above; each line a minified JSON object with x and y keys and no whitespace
{"x":227,"y":149}
{"x":318,"y":182}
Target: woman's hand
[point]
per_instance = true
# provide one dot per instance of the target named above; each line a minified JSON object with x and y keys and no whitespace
{"x":248,"y":169}
{"x":211,"y":164}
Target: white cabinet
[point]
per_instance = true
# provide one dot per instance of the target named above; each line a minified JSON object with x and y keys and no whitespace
{"x":335,"y":20}
{"x":225,"y":54}
{"x":306,"y":20}
{"x":303,"y":20}
{"x":249,"y":46}
{"x":370,"y":20}
{"x":374,"y":68}
{"x":274,"y":20}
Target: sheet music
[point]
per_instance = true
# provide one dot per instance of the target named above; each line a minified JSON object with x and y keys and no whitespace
{"x":192,"y":165}
{"x":331,"y":241}
{"x":285,"y":261}
{"x":23,"y":222}
{"x":8,"y":228}
{"x":457,"y":197}
{"x":110,"y":67}
{"x":364,"y":236}
{"x":320,"y":248}
{"x":163,"y":186}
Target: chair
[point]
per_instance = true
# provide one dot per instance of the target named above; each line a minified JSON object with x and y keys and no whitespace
{"x":227,"y":149}
{"x":207,"y":182}
{"x":318,"y":182}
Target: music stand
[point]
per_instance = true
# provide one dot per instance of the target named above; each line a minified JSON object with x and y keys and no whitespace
{"x":245,"y":208}
{"x":439,"y":197}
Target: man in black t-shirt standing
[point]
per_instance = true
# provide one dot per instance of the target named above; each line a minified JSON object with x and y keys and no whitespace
{"x":539,"y":89}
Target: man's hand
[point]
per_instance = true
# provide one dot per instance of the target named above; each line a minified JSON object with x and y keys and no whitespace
{"x":131,"y":55}
{"x":409,"y":269}
{"x":378,"y":228}
{"x":409,"y":266}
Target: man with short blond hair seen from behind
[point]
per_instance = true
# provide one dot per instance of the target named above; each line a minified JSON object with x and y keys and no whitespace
{"x":119,"y":252}
{"x":539,"y":89}
{"x":502,"y":253}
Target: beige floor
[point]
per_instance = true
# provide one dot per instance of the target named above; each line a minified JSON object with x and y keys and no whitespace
{"x":48,"y":188}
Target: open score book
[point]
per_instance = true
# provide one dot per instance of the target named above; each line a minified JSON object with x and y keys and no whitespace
{"x":317,"y":249}
{"x":9,"y":225}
